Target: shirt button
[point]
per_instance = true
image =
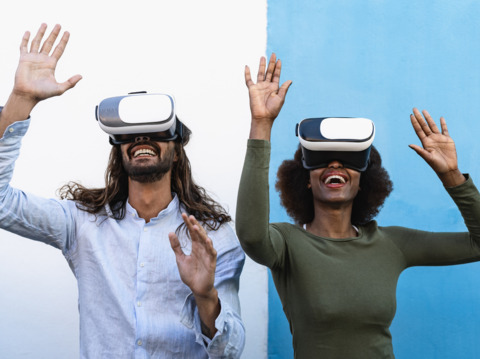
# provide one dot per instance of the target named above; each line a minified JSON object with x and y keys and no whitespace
{"x":139,"y":342}
{"x":11,"y":130}
{"x":145,"y":229}
{"x":142,"y":264}
{"x":139,"y":304}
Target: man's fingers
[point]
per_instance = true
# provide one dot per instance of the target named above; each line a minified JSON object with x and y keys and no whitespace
{"x":24,"y":43}
{"x":187,"y":222}
{"x":193,"y":227}
{"x":60,"y":48}
{"x":175,"y":244}
{"x":198,"y":234}
{"x":210,"y":248}
{"x":38,"y":38}
{"x":198,"y":229}
{"x":48,"y":43}
{"x":206,"y":244}
{"x":70,"y":83}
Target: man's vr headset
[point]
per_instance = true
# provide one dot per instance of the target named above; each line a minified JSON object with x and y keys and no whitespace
{"x":345,"y":139}
{"x":126,"y":118}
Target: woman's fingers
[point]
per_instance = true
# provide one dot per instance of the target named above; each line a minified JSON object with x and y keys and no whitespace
{"x":261,"y":69}
{"x":272,"y":64}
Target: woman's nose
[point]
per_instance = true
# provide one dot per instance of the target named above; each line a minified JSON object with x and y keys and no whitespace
{"x":335,"y":164}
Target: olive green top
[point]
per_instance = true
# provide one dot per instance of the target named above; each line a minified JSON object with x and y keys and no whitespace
{"x":339,"y":294}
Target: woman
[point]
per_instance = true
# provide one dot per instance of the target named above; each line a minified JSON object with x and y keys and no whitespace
{"x":335,"y":270}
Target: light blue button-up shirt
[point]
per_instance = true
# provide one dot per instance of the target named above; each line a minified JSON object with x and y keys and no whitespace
{"x":132,"y":302}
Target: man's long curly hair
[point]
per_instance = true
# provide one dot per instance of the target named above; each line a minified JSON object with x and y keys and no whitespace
{"x":115,"y":193}
{"x":293,"y":178}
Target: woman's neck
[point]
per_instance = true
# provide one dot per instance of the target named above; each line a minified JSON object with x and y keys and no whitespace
{"x":332,"y":223}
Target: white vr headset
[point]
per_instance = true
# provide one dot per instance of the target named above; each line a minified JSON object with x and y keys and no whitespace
{"x":345,"y":139}
{"x":125,"y":118}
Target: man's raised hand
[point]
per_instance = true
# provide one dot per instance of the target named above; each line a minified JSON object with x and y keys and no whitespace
{"x":35,"y":77}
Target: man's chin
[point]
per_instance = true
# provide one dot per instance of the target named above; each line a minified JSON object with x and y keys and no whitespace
{"x":144,"y":171}
{"x":144,"y":174}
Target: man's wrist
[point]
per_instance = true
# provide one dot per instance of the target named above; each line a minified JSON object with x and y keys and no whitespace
{"x":207,"y":297}
{"x":208,"y":307}
{"x":18,"y":107}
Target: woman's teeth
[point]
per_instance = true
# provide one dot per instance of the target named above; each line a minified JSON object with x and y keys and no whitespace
{"x":334,"y":179}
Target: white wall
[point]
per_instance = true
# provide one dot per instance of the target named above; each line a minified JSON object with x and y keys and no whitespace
{"x":195,"y":50}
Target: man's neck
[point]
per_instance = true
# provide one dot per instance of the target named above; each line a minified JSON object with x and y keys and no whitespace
{"x":149,"y":199}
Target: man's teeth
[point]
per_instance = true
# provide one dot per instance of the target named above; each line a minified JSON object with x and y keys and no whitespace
{"x":143,"y":151}
{"x":334,"y":179}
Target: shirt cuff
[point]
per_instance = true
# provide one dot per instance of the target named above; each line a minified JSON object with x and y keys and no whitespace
{"x":16,"y":129}
{"x":191,"y":319}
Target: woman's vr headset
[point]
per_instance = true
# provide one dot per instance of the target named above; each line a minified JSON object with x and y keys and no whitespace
{"x":345,"y":139}
{"x":125,"y":118}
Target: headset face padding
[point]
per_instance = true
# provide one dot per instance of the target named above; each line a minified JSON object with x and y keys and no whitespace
{"x":125,"y":118}
{"x":345,"y":139}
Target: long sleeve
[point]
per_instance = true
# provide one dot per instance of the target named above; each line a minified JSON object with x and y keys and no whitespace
{"x":229,"y":339}
{"x":467,"y":199}
{"x":130,"y":292}
{"x":435,"y":248}
{"x":262,"y":242}
{"x":46,"y":220}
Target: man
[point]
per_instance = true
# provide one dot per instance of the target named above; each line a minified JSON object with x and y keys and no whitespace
{"x":137,"y":297}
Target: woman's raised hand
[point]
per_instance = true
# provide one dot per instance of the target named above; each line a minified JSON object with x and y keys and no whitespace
{"x":438,"y":148}
{"x":266,"y":96}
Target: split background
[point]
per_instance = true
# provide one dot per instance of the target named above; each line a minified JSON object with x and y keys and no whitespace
{"x":363,"y":58}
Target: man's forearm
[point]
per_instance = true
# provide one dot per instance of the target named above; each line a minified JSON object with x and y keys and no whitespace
{"x":208,"y":311}
{"x":17,"y":108}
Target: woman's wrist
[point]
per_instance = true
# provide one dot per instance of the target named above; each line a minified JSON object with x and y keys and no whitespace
{"x":260,"y":129}
{"x":452,"y":178}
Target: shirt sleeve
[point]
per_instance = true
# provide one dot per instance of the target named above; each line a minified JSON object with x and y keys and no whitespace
{"x":436,"y":248}
{"x":260,"y":240}
{"x":30,"y":216}
{"x":229,"y":340}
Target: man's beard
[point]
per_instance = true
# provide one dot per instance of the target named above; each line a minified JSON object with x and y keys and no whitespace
{"x":151,"y":173}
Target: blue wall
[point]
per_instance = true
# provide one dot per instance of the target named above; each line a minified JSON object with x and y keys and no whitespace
{"x":378,"y":59}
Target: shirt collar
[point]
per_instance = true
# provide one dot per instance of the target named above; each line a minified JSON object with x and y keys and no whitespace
{"x":172,"y":207}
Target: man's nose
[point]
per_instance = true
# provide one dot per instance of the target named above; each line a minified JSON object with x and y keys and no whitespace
{"x":142,"y":138}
